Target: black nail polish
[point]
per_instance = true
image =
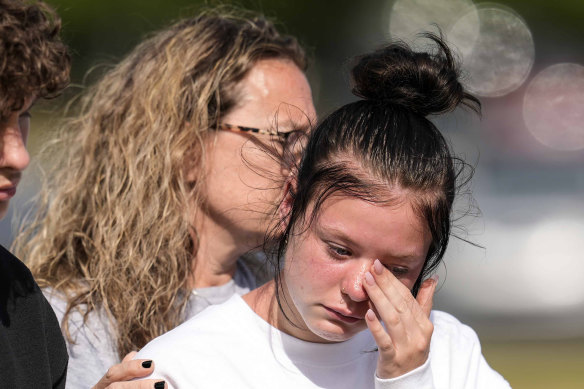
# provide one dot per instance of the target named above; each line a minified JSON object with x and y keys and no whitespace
{"x":146,"y":364}
{"x":159,"y":385}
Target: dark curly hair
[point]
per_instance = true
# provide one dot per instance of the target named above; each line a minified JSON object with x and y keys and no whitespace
{"x":33,"y":60}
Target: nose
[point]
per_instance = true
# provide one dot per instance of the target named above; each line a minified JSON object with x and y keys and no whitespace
{"x":353,"y":282}
{"x":13,"y":148}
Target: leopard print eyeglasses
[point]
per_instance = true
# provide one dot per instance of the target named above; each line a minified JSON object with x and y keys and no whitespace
{"x":283,"y":137}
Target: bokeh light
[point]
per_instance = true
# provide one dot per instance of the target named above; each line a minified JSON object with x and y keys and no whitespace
{"x":552,"y":263}
{"x":498,"y":56}
{"x":410,"y":17}
{"x":553,"y":107}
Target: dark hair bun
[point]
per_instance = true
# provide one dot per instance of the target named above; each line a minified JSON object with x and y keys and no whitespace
{"x":425,"y":83}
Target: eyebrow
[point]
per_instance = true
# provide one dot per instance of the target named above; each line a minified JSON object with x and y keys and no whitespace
{"x":292,"y":125}
{"x":337,"y":233}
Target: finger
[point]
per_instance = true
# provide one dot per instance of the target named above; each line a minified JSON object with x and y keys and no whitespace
{"x":403,"y":316}
{"x":425,"y":296}
{"x":385,"y":309}
{"x":396,"y":293}
{"x":382,"y":338}
{"x":392,"y":287}
{"x":129,"y":356}
{"x":143,"y":384}
{"x":126,"y":370}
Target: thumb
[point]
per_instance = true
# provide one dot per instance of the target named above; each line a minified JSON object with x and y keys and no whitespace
{"x":425,"y":295}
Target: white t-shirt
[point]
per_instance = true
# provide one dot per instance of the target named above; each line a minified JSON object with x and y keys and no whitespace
{"x":230,"y":346}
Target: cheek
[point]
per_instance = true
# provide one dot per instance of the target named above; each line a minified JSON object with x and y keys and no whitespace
{"x":311,"y":271}
{"x":260,"y":174}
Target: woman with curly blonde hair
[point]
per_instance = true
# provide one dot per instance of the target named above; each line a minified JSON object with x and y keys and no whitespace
{"x":165,"y":183}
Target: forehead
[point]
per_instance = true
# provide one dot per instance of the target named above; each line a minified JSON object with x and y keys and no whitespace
{"x":275,"y":92}
{"x":384,"y":229}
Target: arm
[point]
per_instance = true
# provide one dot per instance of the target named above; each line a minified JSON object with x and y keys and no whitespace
{"x":404,"y":342}
{"x":405,"y":357}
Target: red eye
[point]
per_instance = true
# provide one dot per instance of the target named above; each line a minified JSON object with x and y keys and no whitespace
{"x":398,"y":271}
{"x":339,"y":251}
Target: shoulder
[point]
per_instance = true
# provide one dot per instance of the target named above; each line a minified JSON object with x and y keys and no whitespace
{"x":449,"y":327}
{"x":14,"y":273}
{"x":90,"y":340}
{"x":202,"y":329}
{"x":95,"y":327}
{"x":456,"y":356}
{"x":20,"y":296}
{"x":200,"y":341}
{"x":452,"y":337}
{"x":8,"y":260}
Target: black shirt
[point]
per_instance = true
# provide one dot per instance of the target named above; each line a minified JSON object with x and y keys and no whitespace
{"x":32,"y":349}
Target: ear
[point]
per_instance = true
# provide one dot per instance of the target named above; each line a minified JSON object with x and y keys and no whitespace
{"x":192,"y":168}
{"x":288,"y":196}
{"x":193,"y":159}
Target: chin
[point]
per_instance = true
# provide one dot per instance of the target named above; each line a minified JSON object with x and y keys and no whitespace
{"x":332,"y":332}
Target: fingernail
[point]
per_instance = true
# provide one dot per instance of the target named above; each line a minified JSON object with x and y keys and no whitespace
{"x":146,"y":364}
{"x":378,"y":267}
{"x":436,"y":278}
{"x":159,"y":385}
{"x":369,"y":278}
{"x":370,"y":315}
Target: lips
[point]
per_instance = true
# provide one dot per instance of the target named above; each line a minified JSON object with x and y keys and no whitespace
{"x":7,"y":192}
{"x":346,"y":317}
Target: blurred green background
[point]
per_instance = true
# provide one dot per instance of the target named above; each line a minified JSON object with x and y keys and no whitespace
{"x":519,"y":183}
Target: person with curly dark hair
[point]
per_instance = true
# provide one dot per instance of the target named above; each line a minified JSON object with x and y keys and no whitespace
{"x":34,"y":64}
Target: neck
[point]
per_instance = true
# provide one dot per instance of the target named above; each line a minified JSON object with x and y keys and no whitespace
{"x":263,"y":302}
{"x":218,"y":249}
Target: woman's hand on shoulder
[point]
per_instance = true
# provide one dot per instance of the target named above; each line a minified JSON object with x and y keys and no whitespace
{"x":119,"y":376}
{"x":404,"y":343}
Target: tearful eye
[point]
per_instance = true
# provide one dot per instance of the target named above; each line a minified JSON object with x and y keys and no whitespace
{"x":339,"y":251}
{"x":398,"y":271}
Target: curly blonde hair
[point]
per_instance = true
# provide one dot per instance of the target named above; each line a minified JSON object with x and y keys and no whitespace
{"x":114,"y":229}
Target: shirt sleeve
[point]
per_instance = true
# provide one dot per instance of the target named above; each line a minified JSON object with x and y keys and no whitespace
{"x":420,"y":377}
{"x":455,"y":361}
{"x":91,"y":347}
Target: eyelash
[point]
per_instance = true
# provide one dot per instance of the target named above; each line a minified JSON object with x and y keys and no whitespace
{"x":334,"y":250}
{"x":398,"y":271}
